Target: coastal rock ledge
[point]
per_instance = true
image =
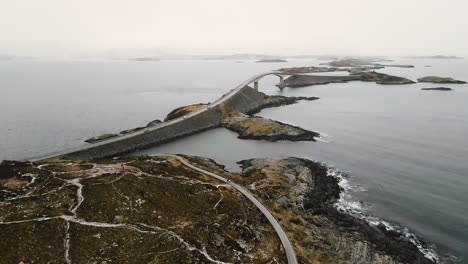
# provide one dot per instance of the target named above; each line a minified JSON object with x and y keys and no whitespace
{"x":157,"y":210}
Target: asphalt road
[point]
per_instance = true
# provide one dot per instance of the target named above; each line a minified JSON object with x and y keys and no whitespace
{"x":290,"y":254}
{"x":164,"y":124}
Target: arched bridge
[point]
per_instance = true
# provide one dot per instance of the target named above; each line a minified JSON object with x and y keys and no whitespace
{"x":241,"y":98}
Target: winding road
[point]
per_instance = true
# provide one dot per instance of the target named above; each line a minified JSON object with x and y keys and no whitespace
{"x":288,"y":248}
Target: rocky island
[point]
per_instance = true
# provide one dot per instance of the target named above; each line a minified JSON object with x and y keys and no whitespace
{"x":363,"y":64}
{"x":379,"y":78}
{"x":382,"y":78}
{"x":308,"y":80}
{"x":435,"y":79}
{"x":437,"y":89}
{"x":159,"y":210}
{"x":255,"y":127}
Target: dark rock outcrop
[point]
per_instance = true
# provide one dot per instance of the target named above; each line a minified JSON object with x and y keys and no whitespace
{"x":100,"y":137}
{"x":278,"y":100}
{"x":128,"y":131}
{"x":153,"y":123}
{"x":320,"y":232}
{"x":437,"y":89}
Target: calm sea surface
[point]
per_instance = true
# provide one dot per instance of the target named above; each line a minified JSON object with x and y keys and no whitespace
{"x":406,"y":149}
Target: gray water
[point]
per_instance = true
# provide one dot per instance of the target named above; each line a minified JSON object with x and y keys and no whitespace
{"x":404,"y":147}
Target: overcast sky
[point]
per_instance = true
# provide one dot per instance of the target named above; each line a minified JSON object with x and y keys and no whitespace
{"x":374,"y":27}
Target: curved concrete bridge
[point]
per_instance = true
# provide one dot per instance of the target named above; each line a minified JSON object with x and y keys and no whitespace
{"x":241,"y":98}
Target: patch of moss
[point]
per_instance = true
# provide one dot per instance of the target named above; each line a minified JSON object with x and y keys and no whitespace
{"x":181,"y":111}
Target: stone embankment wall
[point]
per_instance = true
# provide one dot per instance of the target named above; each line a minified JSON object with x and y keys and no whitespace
{"x":244,"y":100}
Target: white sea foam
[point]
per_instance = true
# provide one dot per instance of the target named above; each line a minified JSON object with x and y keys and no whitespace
{"x":363,"y":211}
{"x":324,"y":137}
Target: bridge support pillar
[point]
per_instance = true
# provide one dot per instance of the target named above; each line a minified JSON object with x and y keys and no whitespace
{"x":256,"y":86}
{"x":281,"y":83}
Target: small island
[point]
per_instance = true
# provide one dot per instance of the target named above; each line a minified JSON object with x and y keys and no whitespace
{"x":437,"y":89}
{"x":259,"y":128}
{"x":382,"y":78}
{"x":379,"y":78}
{"x":435,"y":79}
{"x":271,"y":60}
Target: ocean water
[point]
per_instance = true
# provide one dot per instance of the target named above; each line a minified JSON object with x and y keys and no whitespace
{"x":404,"y":150}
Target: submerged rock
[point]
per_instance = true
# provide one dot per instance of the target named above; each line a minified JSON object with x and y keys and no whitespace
{"x":256,"y":127}
{"x":100,"y":137}
{"x":437,"y":89}
{"x":435,"y":79}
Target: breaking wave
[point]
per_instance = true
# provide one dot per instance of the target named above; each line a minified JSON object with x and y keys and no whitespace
{"x":363,"y":211}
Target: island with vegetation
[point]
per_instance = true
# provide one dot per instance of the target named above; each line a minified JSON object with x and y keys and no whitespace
{"x":435,"y":79}
{"x":298,"y":80}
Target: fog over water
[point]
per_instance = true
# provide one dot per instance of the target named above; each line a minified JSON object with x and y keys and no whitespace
{"x":154,"y":27}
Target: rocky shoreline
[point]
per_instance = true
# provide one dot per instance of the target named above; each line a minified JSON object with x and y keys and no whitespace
{"x":256,"y":127}
{"x":304,"y":196}
{"x":259,"y":128}
{"x":155,"y":210}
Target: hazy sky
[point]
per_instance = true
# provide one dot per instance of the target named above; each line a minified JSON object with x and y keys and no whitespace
{"x":376,"y":27}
